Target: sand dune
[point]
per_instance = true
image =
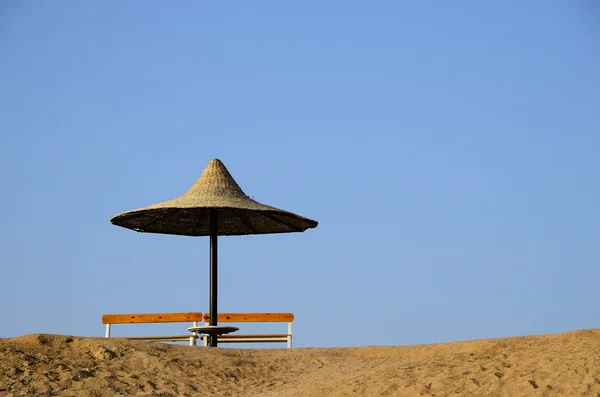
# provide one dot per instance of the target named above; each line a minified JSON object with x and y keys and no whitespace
{"x":548,"y":365}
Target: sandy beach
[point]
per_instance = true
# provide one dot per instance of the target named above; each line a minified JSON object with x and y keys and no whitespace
{"x":565,"y":364}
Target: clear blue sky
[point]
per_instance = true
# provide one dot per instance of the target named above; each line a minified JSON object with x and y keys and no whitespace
{"x":448,"y":149}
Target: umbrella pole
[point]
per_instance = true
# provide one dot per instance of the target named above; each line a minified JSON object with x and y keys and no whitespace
{"x":214,"y":228}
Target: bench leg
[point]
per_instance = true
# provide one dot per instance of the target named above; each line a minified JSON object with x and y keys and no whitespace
{"x":107,"y":335}
{"x":194,"y":335}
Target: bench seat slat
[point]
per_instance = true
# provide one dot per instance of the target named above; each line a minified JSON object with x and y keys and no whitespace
{"x":252,"y":341}
{"x":252,"y":336}
{"x":172,"y":337}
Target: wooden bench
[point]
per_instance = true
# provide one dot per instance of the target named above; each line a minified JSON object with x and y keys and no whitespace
{"x":192,"y":317}
{"x":253,"y":318}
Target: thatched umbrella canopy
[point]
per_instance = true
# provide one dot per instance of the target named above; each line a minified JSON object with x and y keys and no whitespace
{"x":215,"y":205}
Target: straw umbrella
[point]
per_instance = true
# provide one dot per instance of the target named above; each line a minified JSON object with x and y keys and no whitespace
{"x":214,"y":206}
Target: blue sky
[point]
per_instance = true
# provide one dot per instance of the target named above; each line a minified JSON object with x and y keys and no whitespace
{"x":449,"y":151}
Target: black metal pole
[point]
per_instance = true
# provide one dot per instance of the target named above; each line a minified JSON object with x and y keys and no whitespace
{"x":214,"y":229}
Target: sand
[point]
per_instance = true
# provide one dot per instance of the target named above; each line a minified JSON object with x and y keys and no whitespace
{"x":547,"y":365}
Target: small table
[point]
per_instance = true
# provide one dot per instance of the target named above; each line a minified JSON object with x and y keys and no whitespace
{"x":213,"y":330}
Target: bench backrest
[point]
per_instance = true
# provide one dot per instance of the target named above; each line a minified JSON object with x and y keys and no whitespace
{"x":252,"y":317}
{"x":151,"y":318}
